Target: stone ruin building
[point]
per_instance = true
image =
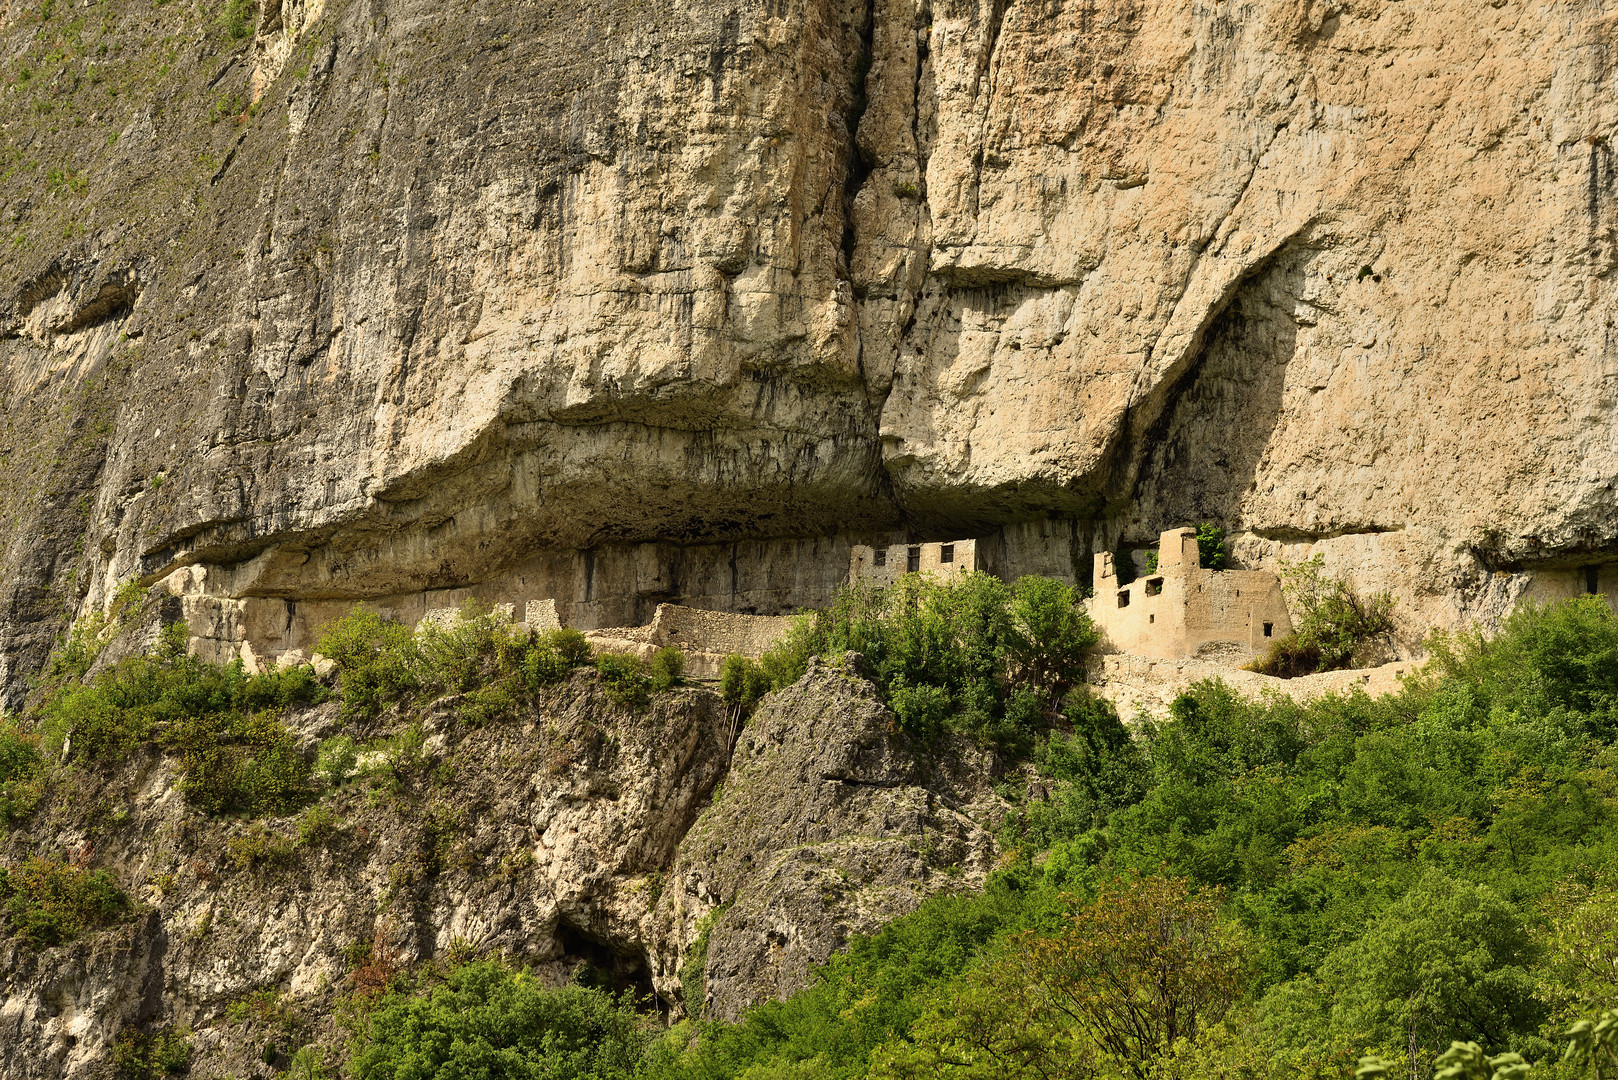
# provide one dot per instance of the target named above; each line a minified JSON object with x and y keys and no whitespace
{"x":885,"y":565}
{"x":1182,"y":610}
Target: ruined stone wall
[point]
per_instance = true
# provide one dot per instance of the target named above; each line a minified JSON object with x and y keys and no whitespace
{"x":883,"y":565}
{"x":1182,"y":610}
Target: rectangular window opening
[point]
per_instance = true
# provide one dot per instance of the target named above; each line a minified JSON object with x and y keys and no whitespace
{"x":946,"y":553}
{"x":913,"y":560}
{"x":1592,"y":579}
{"x":1154,"y":586}
{"x":1269,"y":629}
{"x":1123,"y":597}
{"x":879,"y":558}
{"x":1151,"y":618}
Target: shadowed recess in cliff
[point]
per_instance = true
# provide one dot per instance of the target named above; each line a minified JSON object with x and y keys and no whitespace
{"x":1200,"y":455}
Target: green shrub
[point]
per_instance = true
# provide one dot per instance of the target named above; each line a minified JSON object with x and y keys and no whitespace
{"x":742,"y":683}
{"x":234,"y":763}
{"x":377,"y":661}
{"x":235,"y":755}
{"x":478,"y":647}
{"x":260,"y":849}
{"x":139,"y":1055}
{"x":1211,"y":546}
{"x":1547,"y":657}
{"x":336,"y":760}
{"x":666,"y":668}
{"x":20,"y":766}
{"x":571,"y":645}
{"x":488,"y":1022}
{"x":88,"y":636}
{"x":785,"y":662}
{"x":1445,"y":962}
{"x":1334,"y":622}
{"x":48,"y":902}
{"x":318,"y":825}
{"x":1051,"y":633}
{"x":485,"y":704}
{"x":552,"y":656}
{"x":309,"y":1063}
{"x":625,"y":678}
{"x":954,"y":655}
{"x":236,"y":18}
{"x":543,"y":666}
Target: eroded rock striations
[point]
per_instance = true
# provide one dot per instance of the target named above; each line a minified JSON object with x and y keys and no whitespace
{"x":674,"y":301}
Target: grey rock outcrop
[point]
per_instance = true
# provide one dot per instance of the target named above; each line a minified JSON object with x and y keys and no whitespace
{"x":832,"y":823}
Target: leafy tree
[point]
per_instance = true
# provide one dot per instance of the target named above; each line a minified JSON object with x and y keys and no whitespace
{"x":1581,"y":948}
{"x":1211,"y":546}
{"x":1150,"y":962}
{"x":1546,"y":657}
{"x":1445,"y":963}
{"x":487,"y":1021}
{"x":1595,"y":1043}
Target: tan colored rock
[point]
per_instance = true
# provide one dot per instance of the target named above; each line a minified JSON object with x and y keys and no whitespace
{"x":473,"y":299}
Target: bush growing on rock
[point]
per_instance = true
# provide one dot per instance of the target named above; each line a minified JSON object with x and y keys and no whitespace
{"x":742,"y":683}
{"x":972,"y":654}
{"x":140,"y":1055}
{"x":19,"y":769}
{"x":625,"y":678}
{"x":667,"y":668}
{"x":374,"y":656}
{"x":50,"y":901}
{"x":1334,"y":623}
{"x":480,"y":656}
{"x":224,"y":725}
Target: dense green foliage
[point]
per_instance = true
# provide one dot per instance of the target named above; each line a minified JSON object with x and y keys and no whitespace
{"x":20,"y":768}
{"x":480,"y":659}
{"x":1428,"y":877}
{"x":140,"y":1055}
{"x":484,"y":1021}
{"x":971,"y":654}
{"x":1211,"y":546}
{"x":1334,"y":622}
{"x":224,"y":725}
{"x":49,"y":901}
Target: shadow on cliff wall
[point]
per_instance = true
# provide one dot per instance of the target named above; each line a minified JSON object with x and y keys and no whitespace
{"x":1201,"y":456}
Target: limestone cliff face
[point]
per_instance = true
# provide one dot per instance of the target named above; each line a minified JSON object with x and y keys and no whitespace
{"x":620,"y":304}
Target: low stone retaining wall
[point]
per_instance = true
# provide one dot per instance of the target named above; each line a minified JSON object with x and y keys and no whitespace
{"x":1140,"y":684}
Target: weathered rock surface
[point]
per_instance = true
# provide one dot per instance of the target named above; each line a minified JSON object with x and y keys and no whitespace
{"x":492,"y":285}
{"x":558,"y":835}
{"x":703,"y":289}
{"x":831,"y":823}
